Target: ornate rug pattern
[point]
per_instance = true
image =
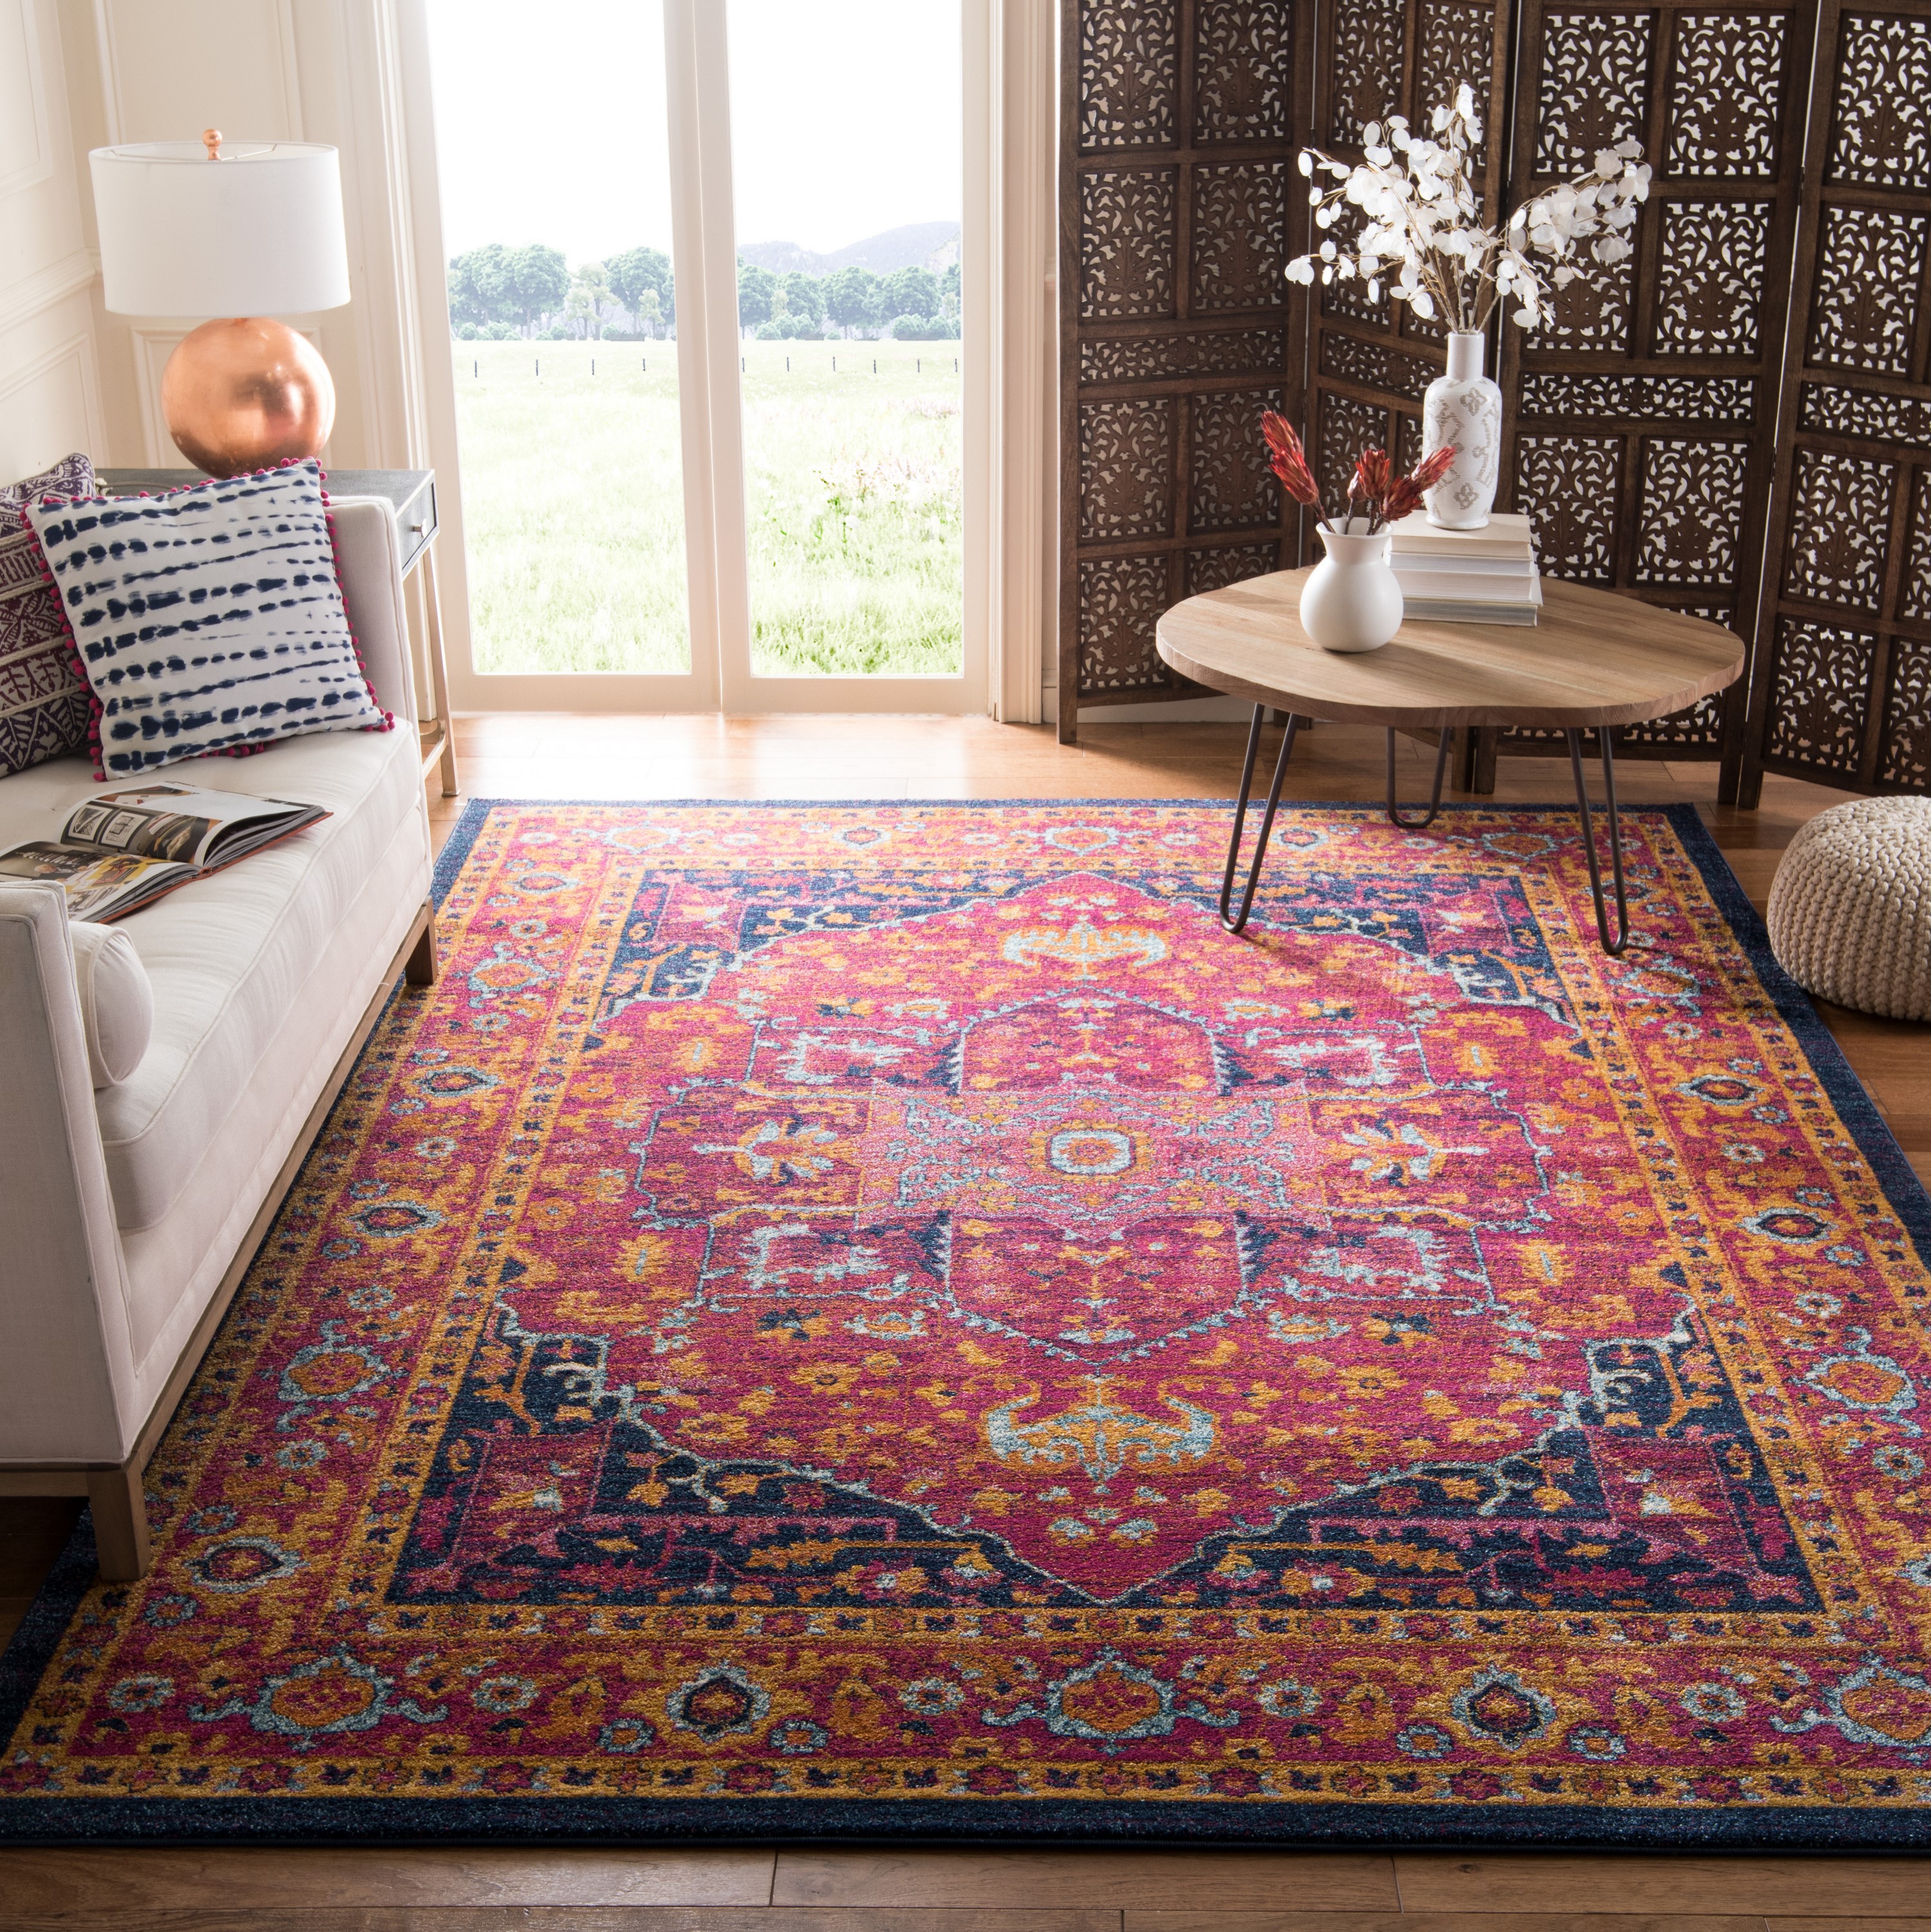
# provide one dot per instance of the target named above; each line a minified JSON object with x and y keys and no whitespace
{"x":883,"y":1318}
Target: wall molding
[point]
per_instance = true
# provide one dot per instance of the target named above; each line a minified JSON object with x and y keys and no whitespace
{"x":376,"y":164}
{"x":113,"y":108}
{"x":111,"y":112}
{"x":46,"y":287}
{"x":291,"y":70}
{"x":152,"y":347}
{"x":77,"y":348}
{"x":41,"y":167}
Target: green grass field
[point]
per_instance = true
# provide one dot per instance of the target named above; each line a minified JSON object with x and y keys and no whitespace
{"x":573,"y":500}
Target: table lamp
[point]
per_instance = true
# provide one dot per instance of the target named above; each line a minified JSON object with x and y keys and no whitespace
{"x":188,"y":228}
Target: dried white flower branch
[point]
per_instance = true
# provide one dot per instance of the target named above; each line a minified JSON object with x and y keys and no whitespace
{"x":1421,"y":235}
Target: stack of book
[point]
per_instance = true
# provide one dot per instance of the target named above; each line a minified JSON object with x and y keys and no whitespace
{"x":1487,"y":576}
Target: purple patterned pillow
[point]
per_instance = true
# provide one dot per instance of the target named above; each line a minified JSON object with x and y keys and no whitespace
{"x":45,"y":709}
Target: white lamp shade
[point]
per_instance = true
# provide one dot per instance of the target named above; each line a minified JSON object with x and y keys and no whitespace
{"x":257,"y":232}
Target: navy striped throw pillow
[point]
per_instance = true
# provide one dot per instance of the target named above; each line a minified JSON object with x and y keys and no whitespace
{"x":208,"y":619}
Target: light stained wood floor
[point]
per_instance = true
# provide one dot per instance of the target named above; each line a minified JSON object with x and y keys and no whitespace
{"x":727,"y":1888}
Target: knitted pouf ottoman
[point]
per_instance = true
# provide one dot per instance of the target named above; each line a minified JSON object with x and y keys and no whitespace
{"x":1850,"y":910}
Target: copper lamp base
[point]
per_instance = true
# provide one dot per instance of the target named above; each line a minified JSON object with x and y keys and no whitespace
{"x":246,"y":394}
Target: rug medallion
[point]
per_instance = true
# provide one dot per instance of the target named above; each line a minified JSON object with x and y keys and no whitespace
{"x":884,"y":1318}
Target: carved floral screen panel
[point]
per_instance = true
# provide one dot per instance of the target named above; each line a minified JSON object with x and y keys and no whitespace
{"x":1180,"y":207}
{"x":1371,"y":360}
{"x":1639,"y":420}
{"x":1842,"y":685}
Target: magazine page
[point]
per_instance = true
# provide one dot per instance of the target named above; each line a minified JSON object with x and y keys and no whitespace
{"x":168,"y":821}
{"x":98,"y":886}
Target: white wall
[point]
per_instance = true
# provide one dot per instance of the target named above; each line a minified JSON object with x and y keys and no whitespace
{"x":50,"y":389}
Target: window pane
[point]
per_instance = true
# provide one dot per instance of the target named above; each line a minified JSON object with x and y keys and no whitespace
{"x":847,"y":166}
{"x":554,"y":159}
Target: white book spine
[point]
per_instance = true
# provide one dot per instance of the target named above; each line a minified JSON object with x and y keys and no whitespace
{"x":1508,"y":566}
{"x":1468,"y":587}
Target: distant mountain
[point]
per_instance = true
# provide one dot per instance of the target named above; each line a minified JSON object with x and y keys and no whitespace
{"x":781,"y":258}
{"x":920,"y":244}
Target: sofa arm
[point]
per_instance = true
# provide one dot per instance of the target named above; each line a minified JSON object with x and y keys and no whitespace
{"x":368,"y":559}
{"x":66,"y":1371}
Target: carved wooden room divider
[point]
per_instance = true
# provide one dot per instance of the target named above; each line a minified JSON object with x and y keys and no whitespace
{"x":1842,"y":677}
{"x":1181,"y":121}
{"x":1644,"y":430}
{"x":1639,"y":422}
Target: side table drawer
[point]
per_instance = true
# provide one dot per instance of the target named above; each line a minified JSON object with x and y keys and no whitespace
{"x":416,"y":522}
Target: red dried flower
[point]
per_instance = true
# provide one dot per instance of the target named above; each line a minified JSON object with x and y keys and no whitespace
{"x":1373,"y":473}
{"x":1403,"y":500}
{"x":1405,"y":497}
{"x":1383,"y":497}
{"x":1288,"y":459}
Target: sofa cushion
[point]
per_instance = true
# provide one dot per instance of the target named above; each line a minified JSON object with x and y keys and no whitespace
{"x":45,"y":708}
{"x":117,"y":1001}
{"x":208,"y":619}
{"x":227,"y":954}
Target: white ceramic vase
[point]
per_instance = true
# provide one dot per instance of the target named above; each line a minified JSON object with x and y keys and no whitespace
{"x":1463,"y":408}
{"x":1352,"y":601}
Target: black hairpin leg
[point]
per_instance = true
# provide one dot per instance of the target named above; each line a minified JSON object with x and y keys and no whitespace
{"x":1239,"y":922}
{"x":1604,"y":737}
{"x":1441,"y":752}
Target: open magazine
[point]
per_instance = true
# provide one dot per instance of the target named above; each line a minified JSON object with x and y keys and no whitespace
{"x":120,"y":851}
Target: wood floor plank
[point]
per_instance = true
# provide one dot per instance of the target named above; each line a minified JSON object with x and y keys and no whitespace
{"x":1873,"y":1025}
{"x":1912,"y":1132}
{"x":1851,"y":1924}
{"x":1433,"y":1921}
{"x":592,"y":1918}
{"x":125,"y":1882}
{"x":1905,"y":1103}
{"x":1235,"y":1880}
{"x":1754,"y":870}
{"x":1554,"y":1882}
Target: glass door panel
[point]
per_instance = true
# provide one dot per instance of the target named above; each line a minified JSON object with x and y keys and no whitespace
{"x":555,"y":163}
{"x":846,"y":178}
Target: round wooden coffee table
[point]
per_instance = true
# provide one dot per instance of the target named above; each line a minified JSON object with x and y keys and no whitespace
{"x":1595,"y":660}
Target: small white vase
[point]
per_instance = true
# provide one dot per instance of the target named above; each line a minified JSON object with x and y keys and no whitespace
{"x":1352,"y":602}
{"x":1463,"y":408}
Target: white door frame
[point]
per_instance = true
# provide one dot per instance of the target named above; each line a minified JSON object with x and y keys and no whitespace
{"x":1006,"y":250}
{"x":744,"y":692}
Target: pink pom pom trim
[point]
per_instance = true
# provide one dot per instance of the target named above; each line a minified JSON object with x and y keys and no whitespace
{"x":95,"y":709}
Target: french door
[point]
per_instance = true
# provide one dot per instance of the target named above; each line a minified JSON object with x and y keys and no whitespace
{"x":833,"y":524}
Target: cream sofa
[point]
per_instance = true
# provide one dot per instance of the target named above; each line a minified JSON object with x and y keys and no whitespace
{"x":127,"y":1215}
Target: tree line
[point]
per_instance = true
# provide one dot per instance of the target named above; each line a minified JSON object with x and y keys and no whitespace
{"x":498,"y":293}
{"x":913,"y":305}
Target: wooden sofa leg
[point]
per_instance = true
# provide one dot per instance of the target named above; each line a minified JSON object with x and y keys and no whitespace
{"x":424,"y":968}
{"x":120,"y":1523}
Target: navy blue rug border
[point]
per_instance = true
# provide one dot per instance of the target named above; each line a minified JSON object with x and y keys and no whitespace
{"x":1740,"y":1830}
{"x":1907,"y":1195}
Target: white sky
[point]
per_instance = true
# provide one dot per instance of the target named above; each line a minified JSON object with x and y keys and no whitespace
{"x":845,"y":118}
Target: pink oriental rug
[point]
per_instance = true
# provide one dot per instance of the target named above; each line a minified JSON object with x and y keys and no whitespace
{"x":877,"y":1319}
